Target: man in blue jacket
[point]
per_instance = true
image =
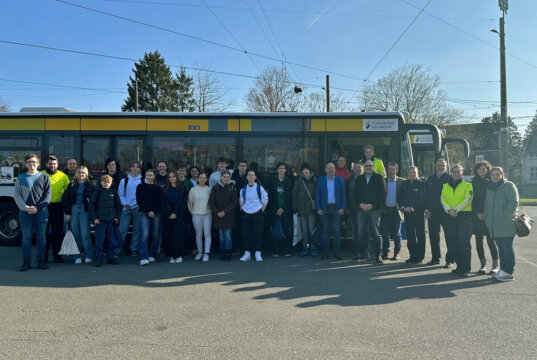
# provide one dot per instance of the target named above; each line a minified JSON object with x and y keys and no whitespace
{"x":330,"y":203}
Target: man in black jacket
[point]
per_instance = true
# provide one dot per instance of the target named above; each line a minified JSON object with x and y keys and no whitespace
{"x":280,"y":209}
{"x":435,"y":212}
{"x":369,"y":197}
{"x":412,"y":198}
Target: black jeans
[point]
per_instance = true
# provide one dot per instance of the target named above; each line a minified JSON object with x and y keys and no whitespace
{"x":458,"y":234}
{"x":55,"y":232}
{"x":252,"y":231}
{"x":480,"y":231}
{"x":433,"y":224}
{"x":283,"y":245}
{"x":415,"y":234}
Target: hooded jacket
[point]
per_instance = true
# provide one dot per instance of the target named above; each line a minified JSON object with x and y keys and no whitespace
{"x":224,"y":198}
{"x":500,"y":205}
{"x":127,"y":194}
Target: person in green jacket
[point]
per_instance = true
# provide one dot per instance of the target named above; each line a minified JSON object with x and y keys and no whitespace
{"x":500,"y":207}
{"x":456,"y":199}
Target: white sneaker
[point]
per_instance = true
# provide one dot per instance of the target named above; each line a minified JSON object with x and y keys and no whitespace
{"x":151,"y":259}
{"x":206,"y":257}
{"x":78,"y":261}
{"x":88,"y":261}
{"x":179,"y":260}
{"x":144,"y":262}
{"x":172,"y":261}
{"x":498,"y":274}
{"x":199,"y":256}
{"x":258,"y":256}
{"x":246,"y":256}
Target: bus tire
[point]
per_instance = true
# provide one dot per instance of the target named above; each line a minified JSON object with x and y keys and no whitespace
{"x":10,"y":231}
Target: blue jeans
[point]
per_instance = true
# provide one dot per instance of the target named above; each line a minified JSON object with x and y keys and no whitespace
{"x":31,"y":223}
{"x":506,"y":250}
{"x":390,"y":224}
{"x":225,"y":239}
{"x":149,"y":227}
{"x":128,"y":216}
{"x":101,"y":230}
{"x":370,"y":220}
{"x":81,"y":230}
{"x":331,"y":217}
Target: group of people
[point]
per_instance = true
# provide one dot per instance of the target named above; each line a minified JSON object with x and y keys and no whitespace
{"x":168,"y":208}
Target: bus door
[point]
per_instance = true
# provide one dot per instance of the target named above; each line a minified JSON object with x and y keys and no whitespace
{"x":125,"y":149}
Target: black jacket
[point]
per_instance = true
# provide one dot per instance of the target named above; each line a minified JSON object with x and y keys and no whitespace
{"x":105,"y":205}
{"x":479,"y":186}
{"x":149,"y":198}
{"x":434,"y":190}
{"x":69,"y":196}
{"x":373,"y":193}
{"x":240,"y":180}
{"x":413,"y":194}
{"x":180,"y":208}
{"x":287,"y":194}
{"x":349,"y":186}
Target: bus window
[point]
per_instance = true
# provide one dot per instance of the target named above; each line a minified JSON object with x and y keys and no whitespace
{"x":406,"y":157}
{"x":202,"y":151}
{"x":63,"y":147}
{"x":12,"y":154}
{"x":268,"y":151}
{"x":352,"y":147}
{"x":95,"y":151}
{"x":128,"y":150}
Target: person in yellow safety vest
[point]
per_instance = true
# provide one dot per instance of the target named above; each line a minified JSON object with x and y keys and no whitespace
{"x":456,"y":199}
{"x":378,"y":165}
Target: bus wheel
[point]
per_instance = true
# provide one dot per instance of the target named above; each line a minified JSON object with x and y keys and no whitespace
{"x":10,"y":232}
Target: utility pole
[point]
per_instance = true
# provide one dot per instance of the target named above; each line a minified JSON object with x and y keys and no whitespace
{"x":327,"y":93}
{"x":503,"y":4}
{"x":136,"y":90}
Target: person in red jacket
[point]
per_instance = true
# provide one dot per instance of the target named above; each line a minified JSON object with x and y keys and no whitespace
{"x":341,"y":169}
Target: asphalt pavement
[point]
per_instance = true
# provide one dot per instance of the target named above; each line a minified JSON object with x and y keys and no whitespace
{"x":284,"y":308}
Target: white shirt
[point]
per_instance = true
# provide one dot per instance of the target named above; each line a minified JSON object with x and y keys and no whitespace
{"x":216,"y":178}
{"x":250,"y":202}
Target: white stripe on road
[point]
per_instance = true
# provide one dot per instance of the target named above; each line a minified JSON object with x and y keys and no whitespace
{"x":529,"y":262}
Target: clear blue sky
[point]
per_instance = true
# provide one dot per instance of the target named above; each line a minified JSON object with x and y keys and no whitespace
{"x":341,"y":36}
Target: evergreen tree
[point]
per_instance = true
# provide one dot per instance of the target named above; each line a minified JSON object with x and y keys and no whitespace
{"x":185,"y":91}
{"x":532,"y":126}
{"x":157,"y":88}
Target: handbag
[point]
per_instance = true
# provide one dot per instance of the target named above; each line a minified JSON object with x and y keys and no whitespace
{"x":69,"y":246}
{"x":297,"y":233}
{"x":114,"y":238}
{"x":523,"y":224}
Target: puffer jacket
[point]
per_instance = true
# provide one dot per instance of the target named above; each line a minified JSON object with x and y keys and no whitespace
{"x":301,"y":201}
{"x":500,"y":206}
{"x":105,"y":205}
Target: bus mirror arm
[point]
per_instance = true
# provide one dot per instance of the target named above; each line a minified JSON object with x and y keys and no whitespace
{"x":433,"y":130}
{"x":463,"y":142}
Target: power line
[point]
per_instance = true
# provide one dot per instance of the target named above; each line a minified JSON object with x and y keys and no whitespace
{"x":391,"y":47}
{"x":471,"y":35}
{"x":261,"y":28}
{"x":289,"y":11}
{"x":62,"y":86}
{"x":228,"y":47}
{"x":231,"y":34}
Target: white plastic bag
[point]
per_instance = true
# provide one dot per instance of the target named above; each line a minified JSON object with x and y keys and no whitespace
{"x":69,"y":246}
{"x":297,"y":233}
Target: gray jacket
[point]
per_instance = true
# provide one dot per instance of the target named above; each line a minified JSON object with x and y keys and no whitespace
{"x":500,"y":207}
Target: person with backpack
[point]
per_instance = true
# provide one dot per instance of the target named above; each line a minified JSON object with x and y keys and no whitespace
{"x":304,"y":191}
{"x":174,"y":218}
{"x":198,"y":205}
{"x":75,"y":203}
{"x":104,"y":210}
{"x":148,"y":198}
{"x":127,"y":195}
{"x":253,"y":201}
{"x":223,"y":202}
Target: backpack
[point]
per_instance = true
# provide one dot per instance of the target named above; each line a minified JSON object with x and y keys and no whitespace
{"x":243,"y":192}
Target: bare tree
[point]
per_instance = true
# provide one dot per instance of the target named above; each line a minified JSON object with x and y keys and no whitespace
{"x":209,"y":93}
{"x":273,"y":91}
{"x":4,"y":106}
{"x":410,"y":88}
{"x":316,"y":102}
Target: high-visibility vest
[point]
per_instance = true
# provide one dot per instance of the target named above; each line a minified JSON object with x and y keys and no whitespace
{"x":458,"y":199}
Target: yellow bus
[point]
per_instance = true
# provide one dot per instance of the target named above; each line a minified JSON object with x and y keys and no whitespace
{"x":196,"y":139}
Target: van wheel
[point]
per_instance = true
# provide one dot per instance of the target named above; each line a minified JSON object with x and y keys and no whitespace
{"x":10,"y":231}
